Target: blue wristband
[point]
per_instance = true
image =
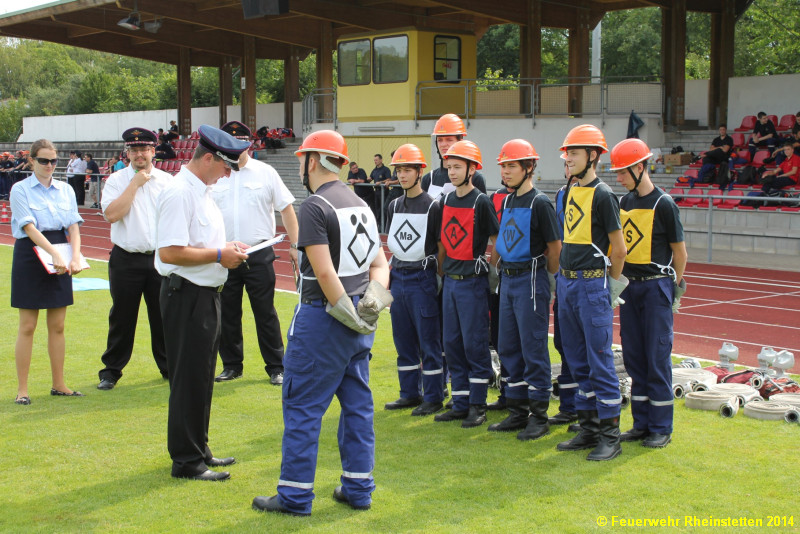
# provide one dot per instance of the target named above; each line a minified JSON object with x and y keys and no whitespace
{"x":219,"y":255}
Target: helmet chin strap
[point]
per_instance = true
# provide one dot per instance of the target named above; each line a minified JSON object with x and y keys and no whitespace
{"x":305,"y":174}
{"x":589,"y":162}
{"x":466,"y":176}
{"x":412,"y":186}
{"x":528,"y":174}
{"x":636,"y":180}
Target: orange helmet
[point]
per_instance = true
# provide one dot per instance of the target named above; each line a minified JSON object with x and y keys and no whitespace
{"x":409,"y":154}
{"x":449,"y":124}
{"x":516,"y":150}
{"x":5,"y":155}
{"x":585,"y":135}
{"x":466,"y":150}
{"x":628,"y":153}
{"x":325,"y":142}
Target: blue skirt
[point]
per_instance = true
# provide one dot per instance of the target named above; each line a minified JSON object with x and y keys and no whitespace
{"x":32,"y":287}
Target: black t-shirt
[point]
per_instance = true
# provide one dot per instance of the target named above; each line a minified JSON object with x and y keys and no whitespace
{"x":319,"y":225}
{"x":604,"y":217}
{"x":543,"y":227}
{"x":795,"y":129}
{"x":457,"y":232}
{"x":439,"y":178}
{"x":765,"y":129}
{"x":165,"y":151}
{"x":5,"y":166}
{"x":380,"y":174}
{"x":406,"y":237}
{"x":667,"y":228}
{"x":363,"y":191}
{"x":93,"y":169}
{"x":722,"y":141}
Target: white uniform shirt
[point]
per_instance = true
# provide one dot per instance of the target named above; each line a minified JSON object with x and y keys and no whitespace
{"x":248,"y":200}
{"x":136,"y":231}
{"x":188,"y":216}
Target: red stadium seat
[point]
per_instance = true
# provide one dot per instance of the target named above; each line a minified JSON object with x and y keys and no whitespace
{"x":787,"y":121}
{"x":691,"y":173}
{"x":194,"y":135}
{"x":699,"y":161}
{"x":774,"y":119}
{"x":676,"y":193}
{"x":692,"y":202}
{"x":738,"y":140}
{"x":748,"y":123}
{"x":732,"y":199}
{"x":714,"y":196}
{"x":758,"y":159}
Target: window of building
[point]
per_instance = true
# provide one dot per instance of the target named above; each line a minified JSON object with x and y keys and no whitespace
{"x":390,"y":64}
{"x":446,"y":58}
{"x":354,"y":62}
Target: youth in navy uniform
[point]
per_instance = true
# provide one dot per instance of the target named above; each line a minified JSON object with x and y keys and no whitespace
{"x":527,"y":252}
{"x":248,"y":200}
{"x":129,"y":203}
{"x":656,"y":260}
{"x":331,"y":334}
{"x":588,"y":291}
{"x":468,"y":222}
{"x":448,"y":130}
{"x":194,"y":260}
{"x":414,"y":220}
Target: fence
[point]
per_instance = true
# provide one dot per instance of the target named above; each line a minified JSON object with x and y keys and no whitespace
{"x":319,"y":106}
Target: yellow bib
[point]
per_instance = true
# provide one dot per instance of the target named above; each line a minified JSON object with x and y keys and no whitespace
{"x":578,"y":217}
{"x":637,"y":229}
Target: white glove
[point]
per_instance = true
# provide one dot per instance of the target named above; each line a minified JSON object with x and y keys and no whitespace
{"x":494,"y":279}
{"x":345,"y":313}
{"x":439,"y":282}
{"x":617,"y":287}
{"x":375,"y":299}
{"x":552,"y":278}
{"x":680,"y":289}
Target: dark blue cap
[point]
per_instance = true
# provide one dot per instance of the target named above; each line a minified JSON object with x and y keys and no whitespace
{"x":237,"y":129}
{"x":139,"y":137}
{"x":222,"y":144}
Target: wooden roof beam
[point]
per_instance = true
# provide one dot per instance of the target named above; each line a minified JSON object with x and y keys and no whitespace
{"x":512,"y":11}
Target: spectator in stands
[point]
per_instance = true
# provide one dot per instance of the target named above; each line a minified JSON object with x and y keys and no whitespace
{"x":359,"y":176}
{"x":6,"y":166}
{"x":93,"y":172}
{"x":719,"y":152}
{"x":76,"y":176}
{"x":32,"y":287}
{"x":785,"y":175}
{"x":121,"y":163}
{"x":380,"y":176}
{"x":764,"y":134}
{"x":173,"y":126}
{"x":793,"y":137}
{"x":164,"y":150}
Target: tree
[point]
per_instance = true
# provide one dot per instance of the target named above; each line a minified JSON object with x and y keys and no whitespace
{"x":11,"y":113}
{"x":768,"y":39}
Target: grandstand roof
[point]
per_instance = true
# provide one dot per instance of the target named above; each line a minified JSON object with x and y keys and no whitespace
{"x":214,"y":29}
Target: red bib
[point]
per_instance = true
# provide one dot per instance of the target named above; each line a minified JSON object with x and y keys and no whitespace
{"x":458,"y":229}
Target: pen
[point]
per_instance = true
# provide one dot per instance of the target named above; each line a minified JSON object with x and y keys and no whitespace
{"x":243,"y":261}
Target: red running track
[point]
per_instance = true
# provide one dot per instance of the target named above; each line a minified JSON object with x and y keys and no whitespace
{"x":750,"y":308}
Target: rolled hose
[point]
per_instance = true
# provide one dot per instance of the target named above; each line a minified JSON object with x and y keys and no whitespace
{"x":792,"y":415}
{"x":744,"y":392}
{"x":768,"y":410}
{"x":757,"y":381}
{"x":787,"y":398}
{"x":678,"y":391}
{"x":690,"y":379}
{"x":713,"y":401}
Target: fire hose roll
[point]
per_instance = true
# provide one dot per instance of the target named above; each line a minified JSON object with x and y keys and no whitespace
{"x":767,"y":410}
{"x":787,"y":398}
{"x":743,"y":391}
{"x":712,"y":401}
{"x":691,"y":379}
{"x":792,"y":415}
{"x":729,"y":409}
{"x":678,"y":391}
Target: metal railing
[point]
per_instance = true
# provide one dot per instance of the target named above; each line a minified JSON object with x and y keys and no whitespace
{"x":319,"y":106}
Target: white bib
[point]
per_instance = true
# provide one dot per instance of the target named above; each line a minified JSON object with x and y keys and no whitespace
{"x":436,"y":192}
{"x":359,"y":240}
{"x":407,"y":236}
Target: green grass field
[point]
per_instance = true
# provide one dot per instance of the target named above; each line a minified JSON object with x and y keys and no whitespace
{"x":100,"y":463}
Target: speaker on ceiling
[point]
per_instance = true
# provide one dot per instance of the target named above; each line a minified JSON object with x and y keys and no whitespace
{"x":254,"y":9}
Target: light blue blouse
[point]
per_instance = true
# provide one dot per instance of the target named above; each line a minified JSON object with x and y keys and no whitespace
{"x":48,"y":208}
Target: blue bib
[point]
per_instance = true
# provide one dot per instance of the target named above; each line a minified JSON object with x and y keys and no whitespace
{"x":513,"y":241}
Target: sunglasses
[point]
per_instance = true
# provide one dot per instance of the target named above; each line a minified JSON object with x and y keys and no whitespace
{"x":45,"y":161}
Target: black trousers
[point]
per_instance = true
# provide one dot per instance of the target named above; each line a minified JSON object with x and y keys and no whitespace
{"x":131,"y":276}
{"x":78,"y":183}
{"x":191,"y":317}
{"x":259,"y":280}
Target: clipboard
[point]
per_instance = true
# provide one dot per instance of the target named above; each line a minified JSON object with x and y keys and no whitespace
{"x":65,"y":249}
{"x":264,"y":244}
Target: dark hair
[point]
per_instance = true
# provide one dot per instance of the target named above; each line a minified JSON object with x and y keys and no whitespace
{"x":761,"y":114}
{"x":378,"y":156}
{"x":797,"y":114}
{"x":40,"y":144}
{"x":352,"y":163}
{"x":89,"y":156}
{"x":788,"y":142}
{"x":723,"y":126}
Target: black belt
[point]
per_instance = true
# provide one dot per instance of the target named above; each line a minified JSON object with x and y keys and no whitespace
{"x":321,"y":302}
{"x":586,"y":273}
{"x":148,"y":253}
{"x":463,"y":276}
{"x":515,"y":272}
{"x":645,"y":278}
{"x":176,"y":281}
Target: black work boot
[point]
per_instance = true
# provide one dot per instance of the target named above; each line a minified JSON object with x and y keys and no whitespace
{"x":517,"y":416}
{"x":608,"y":446}
{"x":537,"y":422}
{"x":563,"y":418}
{"x":588,"y":437}
{"x":475,"y":417}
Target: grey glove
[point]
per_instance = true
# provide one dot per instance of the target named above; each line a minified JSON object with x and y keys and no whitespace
{"x":494,"y":279}
{"x":375,"y":299}
{"x":552,"y":278}
{"x":439,"y":282}
{"x":680,"y":289}
{"x":617,"y":287}
{"x":345,"y":313}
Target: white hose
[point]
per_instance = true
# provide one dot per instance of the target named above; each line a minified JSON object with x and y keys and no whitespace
{"x":678,"y":391}
{"x":729,"y":409}
{"x":767,"y":410}
{"x":712,"y":401}
{"x":691,"y":379}
{"x":699,"y":386}
{"x":757,"y":381}
{"x":744,"y":392}
{"x":787,"y":398}
{"x":792,"y":415}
